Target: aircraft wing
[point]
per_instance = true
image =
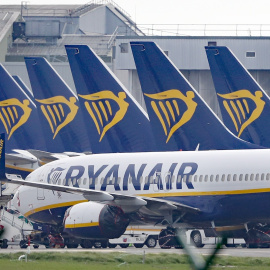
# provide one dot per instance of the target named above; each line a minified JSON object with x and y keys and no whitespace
{"x":20,"y":159}
{"x":128,"y":203}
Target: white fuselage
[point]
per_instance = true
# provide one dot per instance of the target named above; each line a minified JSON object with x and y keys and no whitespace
{"x":216,"y":182}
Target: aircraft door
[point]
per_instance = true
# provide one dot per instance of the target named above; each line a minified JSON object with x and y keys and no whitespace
{"x":157,"y":182}
{"x":40,"y":191}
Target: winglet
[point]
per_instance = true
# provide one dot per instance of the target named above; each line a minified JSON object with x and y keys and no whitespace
{"x":2,"y":157}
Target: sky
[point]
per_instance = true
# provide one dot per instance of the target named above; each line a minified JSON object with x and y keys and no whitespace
{"x":184,"y":12}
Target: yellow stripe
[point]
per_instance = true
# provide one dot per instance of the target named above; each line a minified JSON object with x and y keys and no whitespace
{"x":165,"y":112}
{"x":57,"y":112}
{"x":4,"y":122}
{"x":18,"y":168}
{"x":15,"y":111}
{"x":103,"y":110}
{"x":108,"y":106}
{"x":57,"y":205}
{"x":156,"y":195}
{"x":176,"y":107}
{"x":11,"y":115}
{"x":246,"y":105}
{"x":42,"y":107}
{"x":6,"y":115}
{"x":80,"y":225}
{"x":155,"y":108}
{"x":235,"y":110}
{"x":61,"y":109}
{"x":170,"y":110}
{"x":88,"y":108}
{"x":98,"y":113}
{"x":204,"y":193}
{"x":241,"y":109}
{"x":225,"y":103}
{"x":52,"y":114}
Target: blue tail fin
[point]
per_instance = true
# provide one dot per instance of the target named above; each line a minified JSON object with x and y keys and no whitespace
{"x":58,"y":108}
{"x":18,"y":116}
{"x":180,"y":117}
{"x":117,"y":122}
{"x":244,"y":105}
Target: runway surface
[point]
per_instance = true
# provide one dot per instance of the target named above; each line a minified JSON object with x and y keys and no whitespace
{"x":238,"y":252}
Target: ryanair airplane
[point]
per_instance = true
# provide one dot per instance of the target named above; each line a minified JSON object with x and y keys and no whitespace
{"x":98,"y":196}
{"x":58,"y":109}
{"x":180,"y":118}
{"x":244,"y":105}
{"x":116,"y":122}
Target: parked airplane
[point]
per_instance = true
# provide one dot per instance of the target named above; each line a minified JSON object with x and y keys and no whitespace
{"x":244,"y":105}
{"x":58,"y":109}
{"x":180,"y":118}
{"x":116,"y":121}
{"x":97,"y":196}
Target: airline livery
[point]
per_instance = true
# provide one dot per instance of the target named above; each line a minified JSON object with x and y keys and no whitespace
{"x":180,"y":118}
{"x":244,"y":105}
{"x":115,"y":121}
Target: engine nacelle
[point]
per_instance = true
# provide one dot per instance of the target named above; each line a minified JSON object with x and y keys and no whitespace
{"x":95,"y":220}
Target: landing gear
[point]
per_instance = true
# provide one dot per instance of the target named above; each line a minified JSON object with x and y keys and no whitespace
{"x":196,"y":238}
{"x":167,"y":239}
{"x":86,"y":243}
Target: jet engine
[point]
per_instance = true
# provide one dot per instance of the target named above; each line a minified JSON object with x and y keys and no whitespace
{"x":95,"y":220}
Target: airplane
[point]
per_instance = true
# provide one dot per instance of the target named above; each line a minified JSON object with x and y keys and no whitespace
{"x":115,"y":119}
{"x":98,"y":196}
{"x":244,"y":105}
{"x":180,"y":118}
{"x":58,"y":109}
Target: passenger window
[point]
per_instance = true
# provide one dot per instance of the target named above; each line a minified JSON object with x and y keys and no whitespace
{"x":185,"y":179}
{"x":234,"y":177}
{"x":229,"y":177}
{"x":101,"y":180}
{"x":90,"y":181}
{"x":146,"y":180}
{"x":217,"y":178}
{"x":178,"y":178}
{"x":173,"y":177}
{"x":141,"y":179}
{"x":79,"y":181}
{"x":130,"y":179}
{"x":118,"y":180}
{"x":268,"y":176}
{"x":262,"y":176}
{"x":246,"y":177}
{"x":240,"y":177}
{"x":223,"y":178}
{"x":206,"y":178}
{"x":257,"y":177}
{"x":252,"y":177}
{"x":195,"y":178}
{"x":211,"y":178}
{"x":151,"y":180}
{"x":201,"y":178}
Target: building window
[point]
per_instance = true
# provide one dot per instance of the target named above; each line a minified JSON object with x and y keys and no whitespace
{"x":123,"y":47}
{"x":250,"y":54}
{"x":212,"y":43}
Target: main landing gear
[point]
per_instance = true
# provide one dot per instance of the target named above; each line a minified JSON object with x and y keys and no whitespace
{"x":168,"y":238}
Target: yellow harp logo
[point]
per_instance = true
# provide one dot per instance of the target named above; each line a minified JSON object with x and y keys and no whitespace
{"x":14,"y":114}
{"x":237,"y":106}
{"x":99,"y":107}
{"x":167,"y":108}
{"x":58,"y":111}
